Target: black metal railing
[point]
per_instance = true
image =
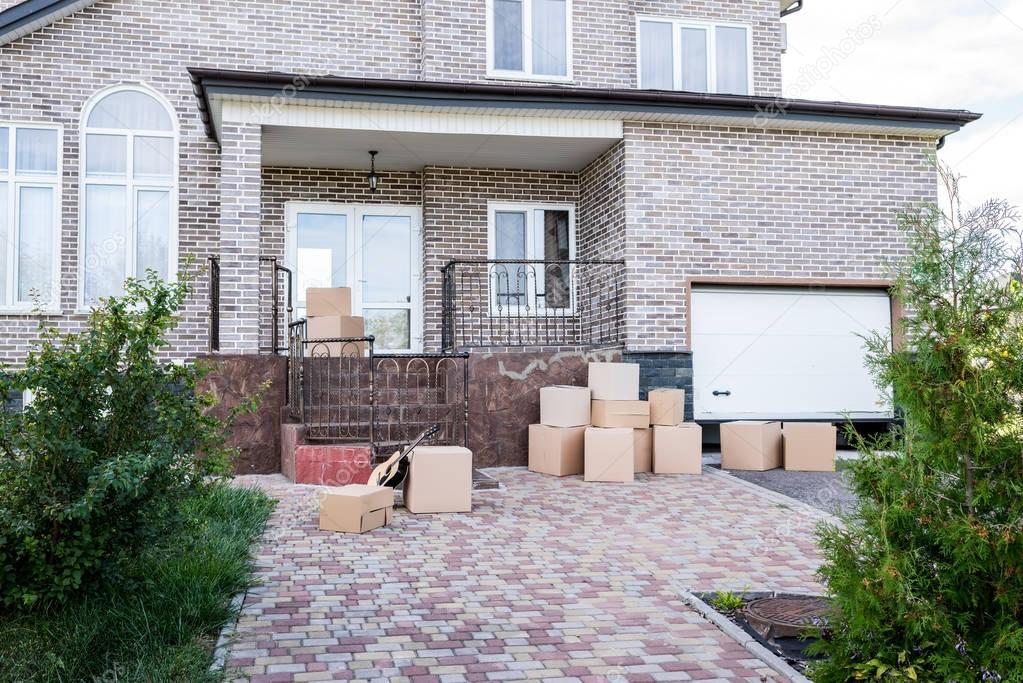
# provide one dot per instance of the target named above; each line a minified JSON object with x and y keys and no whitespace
{"x":497,"y":303}
{"x":278,"y":324}
{"x":343,"y":392}
{"x":214,"y":304}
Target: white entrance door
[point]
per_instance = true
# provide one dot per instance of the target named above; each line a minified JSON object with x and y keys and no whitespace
{"x":760,"y":352}
{"x":374,"y":249}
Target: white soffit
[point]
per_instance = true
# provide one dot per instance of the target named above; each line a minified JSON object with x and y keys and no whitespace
{"x":337,"y":114}
{"x":411,"y":151}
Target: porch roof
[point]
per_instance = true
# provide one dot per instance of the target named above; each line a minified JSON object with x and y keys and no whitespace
{"x":215,"y":87}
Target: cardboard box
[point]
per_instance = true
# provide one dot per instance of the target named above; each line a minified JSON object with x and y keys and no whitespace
{"x":356,"y":508}
{"x":564,"y":406}
{"x":614,"y":381}
{"x":751,"y":445}
{"x":809,"y":446}
{"x":643,"y":450}
{"x":635,"y":414}
{"x":321,"y":301}
{"x":333,"y":327}
{"x":678,"y":449}
{"x":667,"y":406}
{"x":439,"y":480}
{"x":608,"y":454}
{"x":556,"y":450}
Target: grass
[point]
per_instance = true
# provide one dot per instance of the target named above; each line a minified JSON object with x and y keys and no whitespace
{"x":166,"y":628}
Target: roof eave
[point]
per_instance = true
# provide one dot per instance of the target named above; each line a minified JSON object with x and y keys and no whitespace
{"x":25,"y":17}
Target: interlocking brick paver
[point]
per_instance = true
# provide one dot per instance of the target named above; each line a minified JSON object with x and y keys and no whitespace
{"x":546,"y":579}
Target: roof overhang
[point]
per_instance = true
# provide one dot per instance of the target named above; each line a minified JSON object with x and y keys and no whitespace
{"x":273,"y":93}
{"x":25,"y":17}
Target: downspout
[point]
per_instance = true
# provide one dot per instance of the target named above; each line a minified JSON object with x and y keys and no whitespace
{"x":792,"y":9}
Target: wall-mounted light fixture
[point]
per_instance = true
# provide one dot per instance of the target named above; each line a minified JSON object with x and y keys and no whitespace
{"x":373,"y":178}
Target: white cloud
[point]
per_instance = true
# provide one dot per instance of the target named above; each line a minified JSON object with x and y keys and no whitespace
{"x":931,"y":53}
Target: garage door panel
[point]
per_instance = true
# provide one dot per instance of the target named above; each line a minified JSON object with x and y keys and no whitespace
{"x":785,"y":353}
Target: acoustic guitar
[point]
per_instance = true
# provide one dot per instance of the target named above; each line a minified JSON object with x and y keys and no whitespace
{"x":392,"y":472}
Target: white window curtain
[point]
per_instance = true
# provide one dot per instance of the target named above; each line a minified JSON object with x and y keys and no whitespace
{"x":694,"y":59}
{"x":29,"y":211}
{"x":531,"y":38}
{"x":656,"y":56}
{"x":693,"y":56}
{"x":508,"y":35}
{"x":550,"y":38}
{"x":732,"y":61}
{"x":130,"y":192}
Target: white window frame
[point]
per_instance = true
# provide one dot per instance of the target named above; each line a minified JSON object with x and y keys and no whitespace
{"x":677,"y":24}
{"x":353,"y":247}
{"x":131,"y":185}
{"x":15,"y":182}
{"x":529,"y":208}
{"x":527,"y":47}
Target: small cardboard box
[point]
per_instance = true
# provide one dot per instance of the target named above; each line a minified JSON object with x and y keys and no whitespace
{"x":643,"y":450}
{"x":565,"y":406}
{"x":328,"y":301}
{"x":556,"y":450}
{"x":355,"y":508}
{"x":333,"y":327}
{"x":609,"y":454}
{"x":678,"y":449}
{"x":439,"y":480}
{"x":667,"y":406}
{"x":809,"y":446}
{"x":635,"y":414}
{"x":751,"y":445}
{"x":614,"y":381}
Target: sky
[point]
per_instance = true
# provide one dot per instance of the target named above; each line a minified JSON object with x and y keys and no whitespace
{"x":956,"y":54}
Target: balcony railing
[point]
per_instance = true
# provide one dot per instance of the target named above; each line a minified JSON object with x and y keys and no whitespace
{"x":499,"y":303}
{"x":280,"y":276}
{"x":343,"y":392}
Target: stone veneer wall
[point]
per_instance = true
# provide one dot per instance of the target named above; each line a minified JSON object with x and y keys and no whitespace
{"x":743,"y":202}
{"x":665,"y":370}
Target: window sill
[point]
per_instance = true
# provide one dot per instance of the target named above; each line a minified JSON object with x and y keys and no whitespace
{"x":528,"y":78}
{"x":22,"y":312}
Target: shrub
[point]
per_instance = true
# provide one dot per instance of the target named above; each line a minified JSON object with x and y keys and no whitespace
{"x":97,"y":464}
{"x":927,"y":575}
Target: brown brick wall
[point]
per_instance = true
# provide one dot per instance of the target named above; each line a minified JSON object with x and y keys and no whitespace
{"x":749,"y":203}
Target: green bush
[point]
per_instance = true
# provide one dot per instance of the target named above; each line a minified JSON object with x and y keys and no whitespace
{"x":96,"y":466}
{"x":927,"y":575}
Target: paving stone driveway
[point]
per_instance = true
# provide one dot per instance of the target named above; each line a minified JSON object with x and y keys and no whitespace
{"x":548,"y":579}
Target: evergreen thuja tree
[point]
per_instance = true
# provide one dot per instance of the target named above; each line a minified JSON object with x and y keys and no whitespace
{"x":927,"y":574}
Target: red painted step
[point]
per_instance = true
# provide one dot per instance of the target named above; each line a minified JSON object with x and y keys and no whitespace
{"x":332,"y":465}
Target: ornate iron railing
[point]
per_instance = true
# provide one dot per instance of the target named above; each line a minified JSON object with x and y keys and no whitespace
{"x":497,"y":303}
{"x":343,"y":392}
{"x":278,"y":324}
{"x":214,"y":304}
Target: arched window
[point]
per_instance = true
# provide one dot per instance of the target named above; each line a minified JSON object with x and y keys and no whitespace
{"x":129,"y":190}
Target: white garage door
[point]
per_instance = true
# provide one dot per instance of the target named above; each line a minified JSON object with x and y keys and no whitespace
{"x":785,"y":353}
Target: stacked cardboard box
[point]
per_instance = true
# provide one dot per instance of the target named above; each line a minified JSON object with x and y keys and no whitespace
{"x":618,"y":443}
{"x":678,"y":445}
{"x":329,"y":316}
{"x":556,"y":443}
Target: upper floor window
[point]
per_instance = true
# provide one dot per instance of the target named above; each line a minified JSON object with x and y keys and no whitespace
{"x":29,"y":215}
{"x":677,"y":54}
{"x":530,"y":39}
{"x":129,"y":191}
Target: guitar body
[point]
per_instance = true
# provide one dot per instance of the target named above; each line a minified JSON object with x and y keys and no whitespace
{"x":392,"y":472}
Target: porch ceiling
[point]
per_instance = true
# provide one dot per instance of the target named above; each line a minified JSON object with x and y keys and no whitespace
{"x":411,"y":151}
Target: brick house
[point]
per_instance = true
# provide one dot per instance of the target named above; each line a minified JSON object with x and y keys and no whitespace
{"x":555,"y":180}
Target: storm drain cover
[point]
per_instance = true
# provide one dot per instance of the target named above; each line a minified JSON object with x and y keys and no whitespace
{"x":786,"y":617}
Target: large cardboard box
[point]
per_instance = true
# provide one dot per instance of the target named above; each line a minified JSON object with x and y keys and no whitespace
{"x":333,"y":327}
{"x":556,"y":450}
{"x":678,"y":449}
{"x":564,"y":406}
{"x":439,"y":480}
{"x":614,"y":381}
{"x":321,"y":301}
{"x":667,"y":406}
{"x":609,"y":454}
{"x":635,"y":414}
{"x":809,"y":446}
{"x":751,"y":445}
{"x":643,"y":450}
{"x":355,"y":508}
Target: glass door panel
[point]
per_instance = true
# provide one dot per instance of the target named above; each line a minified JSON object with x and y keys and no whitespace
{"x":387,"y":250}
{"x":321,"y":252}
